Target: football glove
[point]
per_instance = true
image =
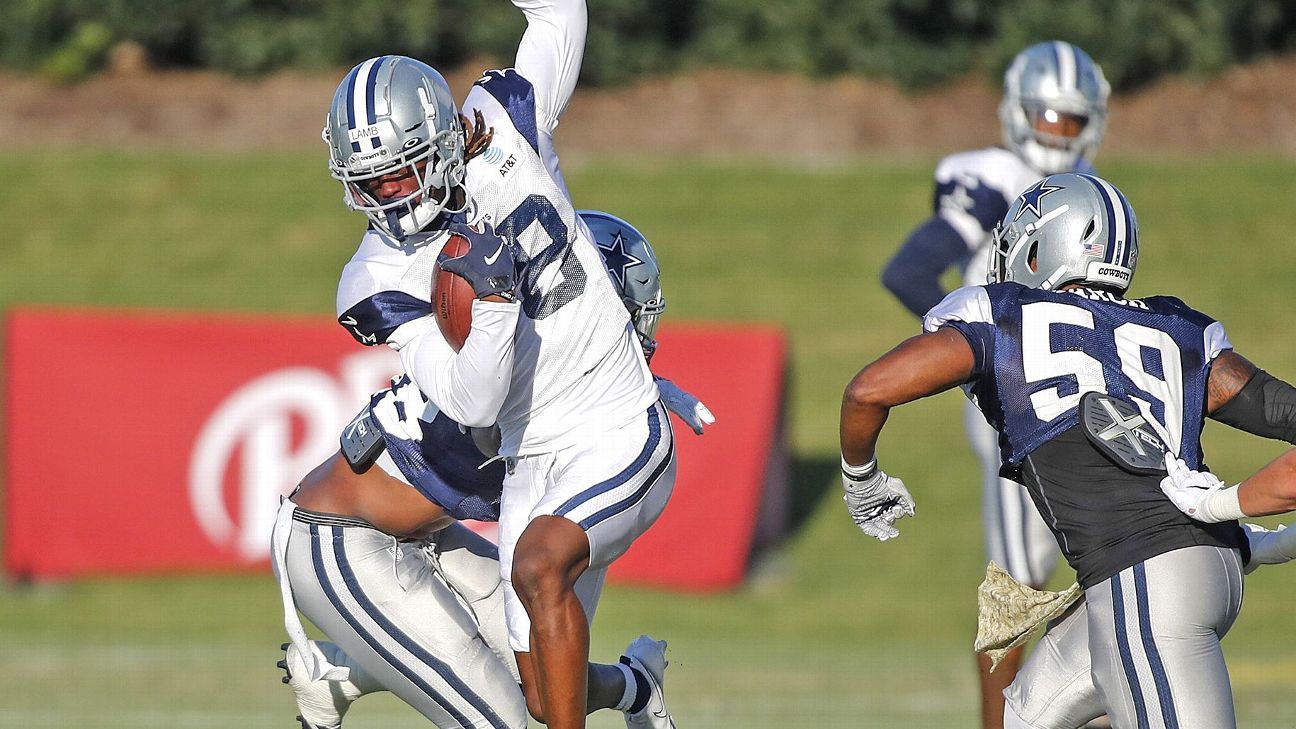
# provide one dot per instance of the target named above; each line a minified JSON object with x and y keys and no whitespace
{"x":488,"y":266}
{"x":1199,"y":494}
{"x":689,"y":409}
{"x":398,"y":411}
{"x":875,"y":500}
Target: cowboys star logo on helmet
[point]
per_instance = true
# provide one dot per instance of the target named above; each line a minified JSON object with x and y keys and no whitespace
{"x":1089,"y":235}
{"x":619,"y":261}
{"x":1030,"y":199}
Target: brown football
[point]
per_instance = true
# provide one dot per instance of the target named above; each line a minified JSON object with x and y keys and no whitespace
{"x":452,"y":297}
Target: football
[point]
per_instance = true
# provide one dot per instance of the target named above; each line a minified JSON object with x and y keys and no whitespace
{"x":452,"y":297}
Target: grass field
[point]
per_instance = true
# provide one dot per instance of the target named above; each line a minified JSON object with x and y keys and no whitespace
{"x":833,"y":629}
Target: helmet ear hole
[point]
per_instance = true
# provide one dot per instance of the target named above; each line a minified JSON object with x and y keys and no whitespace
{"x":1088,"y":231}
{"x":1032,"y":256}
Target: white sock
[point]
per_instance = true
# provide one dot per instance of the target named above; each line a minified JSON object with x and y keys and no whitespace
{"x":631,"y":688}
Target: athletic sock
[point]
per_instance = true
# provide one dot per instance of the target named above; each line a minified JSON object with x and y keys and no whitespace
{"x":637,"y":689}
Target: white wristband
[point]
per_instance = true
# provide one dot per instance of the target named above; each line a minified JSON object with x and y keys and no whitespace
{"x":862,"y":471}
{"x":1222,"y":505}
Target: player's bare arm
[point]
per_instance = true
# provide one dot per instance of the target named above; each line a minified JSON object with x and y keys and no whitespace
{"x":1272,"y":490}
{"x":388,"y":504}
{"x":920,"y":366}
{"x":1229,"y":373}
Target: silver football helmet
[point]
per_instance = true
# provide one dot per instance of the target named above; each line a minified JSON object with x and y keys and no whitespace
{"x":634,"y":271}
{"x":1054,"y":110}
{"x":1068,"y":228}
{"x":393,"y":114}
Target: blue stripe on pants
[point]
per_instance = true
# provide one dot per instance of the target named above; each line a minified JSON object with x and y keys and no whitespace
{"x":1159,"y":677}
{"x":441,"y":669}
{"x":1127,"y":658}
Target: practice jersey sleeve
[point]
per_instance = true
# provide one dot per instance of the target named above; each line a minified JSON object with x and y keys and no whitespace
{"x":550,"y":53}
{"x":973,"y":191}
{"x":967,"y":311}
{"x":468,"y":386}
{"x":913,"y":273}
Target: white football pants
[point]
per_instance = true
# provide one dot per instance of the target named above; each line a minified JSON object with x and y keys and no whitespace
{"x":424,"y":619}
{"x":613,"y":489}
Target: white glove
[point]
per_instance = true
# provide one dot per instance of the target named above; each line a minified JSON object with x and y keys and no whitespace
{"x":875,"y":500}
{"x":1270,"y":547}
{"x":688,"y":408}
{"x":400,"y":410}
{"x":1199,"y":494}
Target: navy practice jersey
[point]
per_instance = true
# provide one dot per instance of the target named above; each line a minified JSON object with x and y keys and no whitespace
{"x":1036,"y":353}
{"x":446,"y":465}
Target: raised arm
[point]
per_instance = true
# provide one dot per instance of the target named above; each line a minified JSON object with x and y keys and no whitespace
{"x":550,"y":53}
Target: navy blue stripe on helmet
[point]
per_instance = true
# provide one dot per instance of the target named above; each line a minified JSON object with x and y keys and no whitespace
{"x":1111,"y":218}
{"x":353,"y":587}
{"x":1159,"y":678}
{"x":1129,"y":232}
{"x":351,"y":112}
{"x":627,"y":473}
{"x":370,"y":85}
{"x":1127,"y":658}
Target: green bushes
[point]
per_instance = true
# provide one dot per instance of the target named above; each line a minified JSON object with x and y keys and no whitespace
{"x":913,"y":42}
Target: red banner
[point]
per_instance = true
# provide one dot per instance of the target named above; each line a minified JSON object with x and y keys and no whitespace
{"x":161,"y":442}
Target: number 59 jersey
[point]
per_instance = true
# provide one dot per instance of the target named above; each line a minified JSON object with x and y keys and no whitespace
{"x":1038,"y":351}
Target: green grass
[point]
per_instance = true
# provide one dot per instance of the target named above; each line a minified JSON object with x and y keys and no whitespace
{"x":834,"y":629}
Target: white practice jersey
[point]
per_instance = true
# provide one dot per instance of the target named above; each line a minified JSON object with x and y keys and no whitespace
{"x":974,"y":191}
{"x":577,"y":367}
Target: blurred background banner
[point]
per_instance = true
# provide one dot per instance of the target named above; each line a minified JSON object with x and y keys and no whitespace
{"x":146,"y":442}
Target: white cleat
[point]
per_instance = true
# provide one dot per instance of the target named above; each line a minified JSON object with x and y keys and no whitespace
{"x":648,"y":658}
{"x":322,"y":703}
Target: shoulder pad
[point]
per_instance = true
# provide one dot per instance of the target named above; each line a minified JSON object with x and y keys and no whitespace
{"x":969,"y":304}
{"x":517,"y":96}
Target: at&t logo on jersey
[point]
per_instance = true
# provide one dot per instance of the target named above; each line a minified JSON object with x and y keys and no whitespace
{"x":265,"y":437}
{"x":509,"y":165}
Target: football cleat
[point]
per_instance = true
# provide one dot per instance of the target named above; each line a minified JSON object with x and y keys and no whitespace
{"x":322,"y":703}
{"x":647,"y":658}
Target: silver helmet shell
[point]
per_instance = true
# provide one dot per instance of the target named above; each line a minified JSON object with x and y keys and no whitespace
{"x":634,"y":271}
{"x":1068,"y":228}
{"x":1054,"y":84}
{"x":390,"y":114}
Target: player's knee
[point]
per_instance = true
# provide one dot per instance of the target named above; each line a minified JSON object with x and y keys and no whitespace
{"x":539,"y":575}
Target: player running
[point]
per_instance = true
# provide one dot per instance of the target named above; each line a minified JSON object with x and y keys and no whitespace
{"x":1053,"y":114}
{"x":413,"y":599}
{"x":1037,"y":350}
{"x":551,"y":359}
